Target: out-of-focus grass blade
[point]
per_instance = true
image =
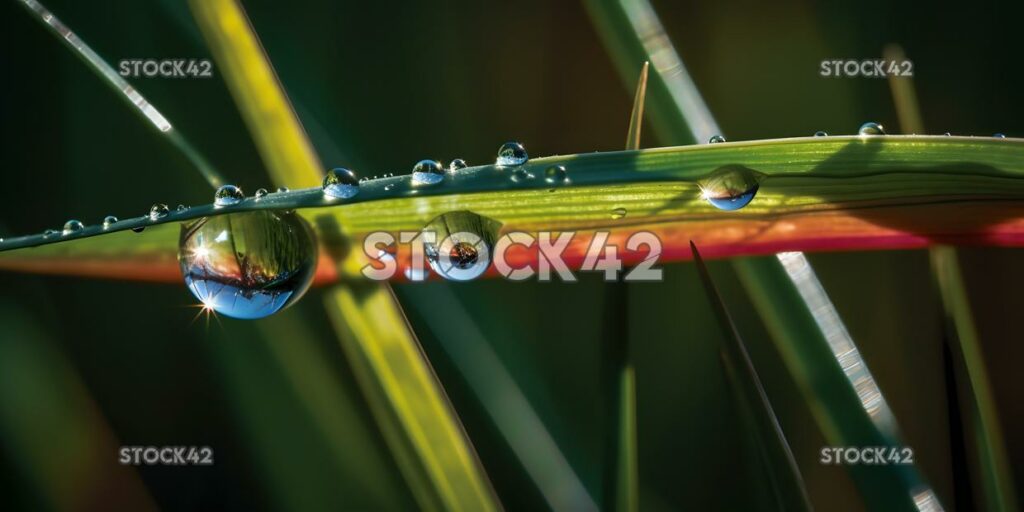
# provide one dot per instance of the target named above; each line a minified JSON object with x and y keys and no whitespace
{"x":831,"y":375}
{"x":52,"y":430}
{"x":636,"y":117}
{"x":125,"y":90}
{"x":995,"y":478}
{"x":501,"y":397}
{"x":282,"y":142}
{"x":422,"y":430}
{"x":778,"y":457}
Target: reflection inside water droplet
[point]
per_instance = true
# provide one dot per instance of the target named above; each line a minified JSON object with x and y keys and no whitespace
{"x":462,"y":244}
{"x":340,"y":183}
{"x":730,"y":187}
{"x":228,"y":195}
{"x":248,"y":265}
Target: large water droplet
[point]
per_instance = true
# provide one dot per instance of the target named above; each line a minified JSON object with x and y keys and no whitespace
{"x":730,"y":187}
{"x":556,"y":174}
{"x":228,"y":195}
{"x":72,"y":226}
{"x":158,"y":211}
{"x":511,"y":153}
{"x":340,"y":183}
{"x":462,"y":246}
{"x":456,"y":165}
{"x":108,"y":221}
{"x":248,"y":265}
{"x":427,"y":172}
{"x":871,"y":128}
{"x":715,"y":139}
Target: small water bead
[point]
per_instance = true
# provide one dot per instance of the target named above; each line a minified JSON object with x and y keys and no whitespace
{"x":947,"y":134}
{"x":158,"y":211}
{"x":730,"y":187}
{"x":228,"y":195}
{"x":511,"y":153}
{"x":619,"y":213}
{"x":427,"y":172}
{"x":260,"y":194}
{"x":282,"y":190}
{"x":248,"y":265}
{"x":999,"y":135}
{"x":49,"y":232}
{"x":456,"y":165}
{"x":340,"y":183}
{"x":715,"y":139}
{"x":72,"y":226}
{"x":521,"y":175}
{"x":108,"y":221}
{"x":182,"y":207}
{"x":871,"y":128}
{"x":820,"y":134}
{"x":555,"y":174}
{"x":139,"y":229}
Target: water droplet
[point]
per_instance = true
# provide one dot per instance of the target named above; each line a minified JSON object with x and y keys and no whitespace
{"x":389,"y":186}
{"x":139,"y":229}
{"x":427,"y":172}
{"x":730,"y":187}
{"x":228,"y":195}
{"x":555,"y":174}
{"x":871,"y":128}
{"x":521,"y":175}
{"x":820,"y":133}
{"x":182,"y":207}
{"x":260,"y":193}
{"x":108,"y":221}
{"x":462,"y":245}
{"x":49,"y":232}
{"x":999,"y":136}
{"x":248,"y":265}
{"x":618,"y":213}
{"x":158,"y":211}
{"x":947,"y":134}
{"x":72,"y":226}
{"x":511,"y":153}
{"x":715,"y":139}
{"x":456,"y":165}
{"x":340,"y":183}
{"x":281,"y":190}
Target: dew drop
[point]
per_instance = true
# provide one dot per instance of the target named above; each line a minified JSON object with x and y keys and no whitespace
{"x":108,"y":221}
{"x":182,"y":207}
{"x":139,"y":229}
{"x":282,"y":190}
{"x":72,"y":226}
{"x":715,"y":139}
{"x":49,"y":232}
{"x":871,"y":128}
{"x":158,"y":211}
{"x":820,"y":133}
{"x":427,"y":172}
{"x":456,"y":165}
{"x":340,"y":183}
{"x":389,"y":186}
{"x":555,"y":174}
{"x":947,"y":134}
{"x":521,"y":175}
{"x":248,"y":265}
{"x":228,"y":195}
{"x":619,"y":213}
{"x":511,"y":153}
{"x":999,"y":135}
{"x":260,"y":194}
{"x":730,"y":187}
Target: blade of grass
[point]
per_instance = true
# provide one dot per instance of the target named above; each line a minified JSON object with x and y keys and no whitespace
{"x":970,"y":370}
{"x":283,"y":145}
{"x":636,"y":117}
{"x":418,"y":422}
{"x":777,"y":456}
{"x":125,"y":91}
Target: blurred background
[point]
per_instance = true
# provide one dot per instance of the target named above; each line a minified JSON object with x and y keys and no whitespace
{"x":87,"y":366}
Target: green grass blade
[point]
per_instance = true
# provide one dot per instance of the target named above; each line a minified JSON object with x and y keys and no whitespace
{"x":636,"y":117}
{"x":283,"y":145}
{"x":422,"y":429}
{"x":781,"y":466}
{"x":125,"y":90}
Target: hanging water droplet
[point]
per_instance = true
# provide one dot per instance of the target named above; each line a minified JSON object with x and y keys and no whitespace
{"x":340,"y":183}
{"x":138,"y":229}
{"x":511,"y":153}
{"x":108,"y":221}
{"x":871,"y":128}
{"x":427,"y":172}
{"x":281,"y":190}
{"x":49,"y":232}
{"x":72,"y":226}
{"x":619,"y":213}
{"x":228,"y":195}
{"x":730,"y":187}
{"x":555,"y":174}
{"x":462,"y":245}
{"x":158,"y":211}
{"x":999,"y":135}
{"x":715,"y":139}
{"x":456,"y":165}
{"x":248,"y":265}
{"x":820,"y":133}
{"x":260,"y":194}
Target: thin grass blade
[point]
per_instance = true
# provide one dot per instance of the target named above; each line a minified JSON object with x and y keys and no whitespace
{"x":636,"y":117}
